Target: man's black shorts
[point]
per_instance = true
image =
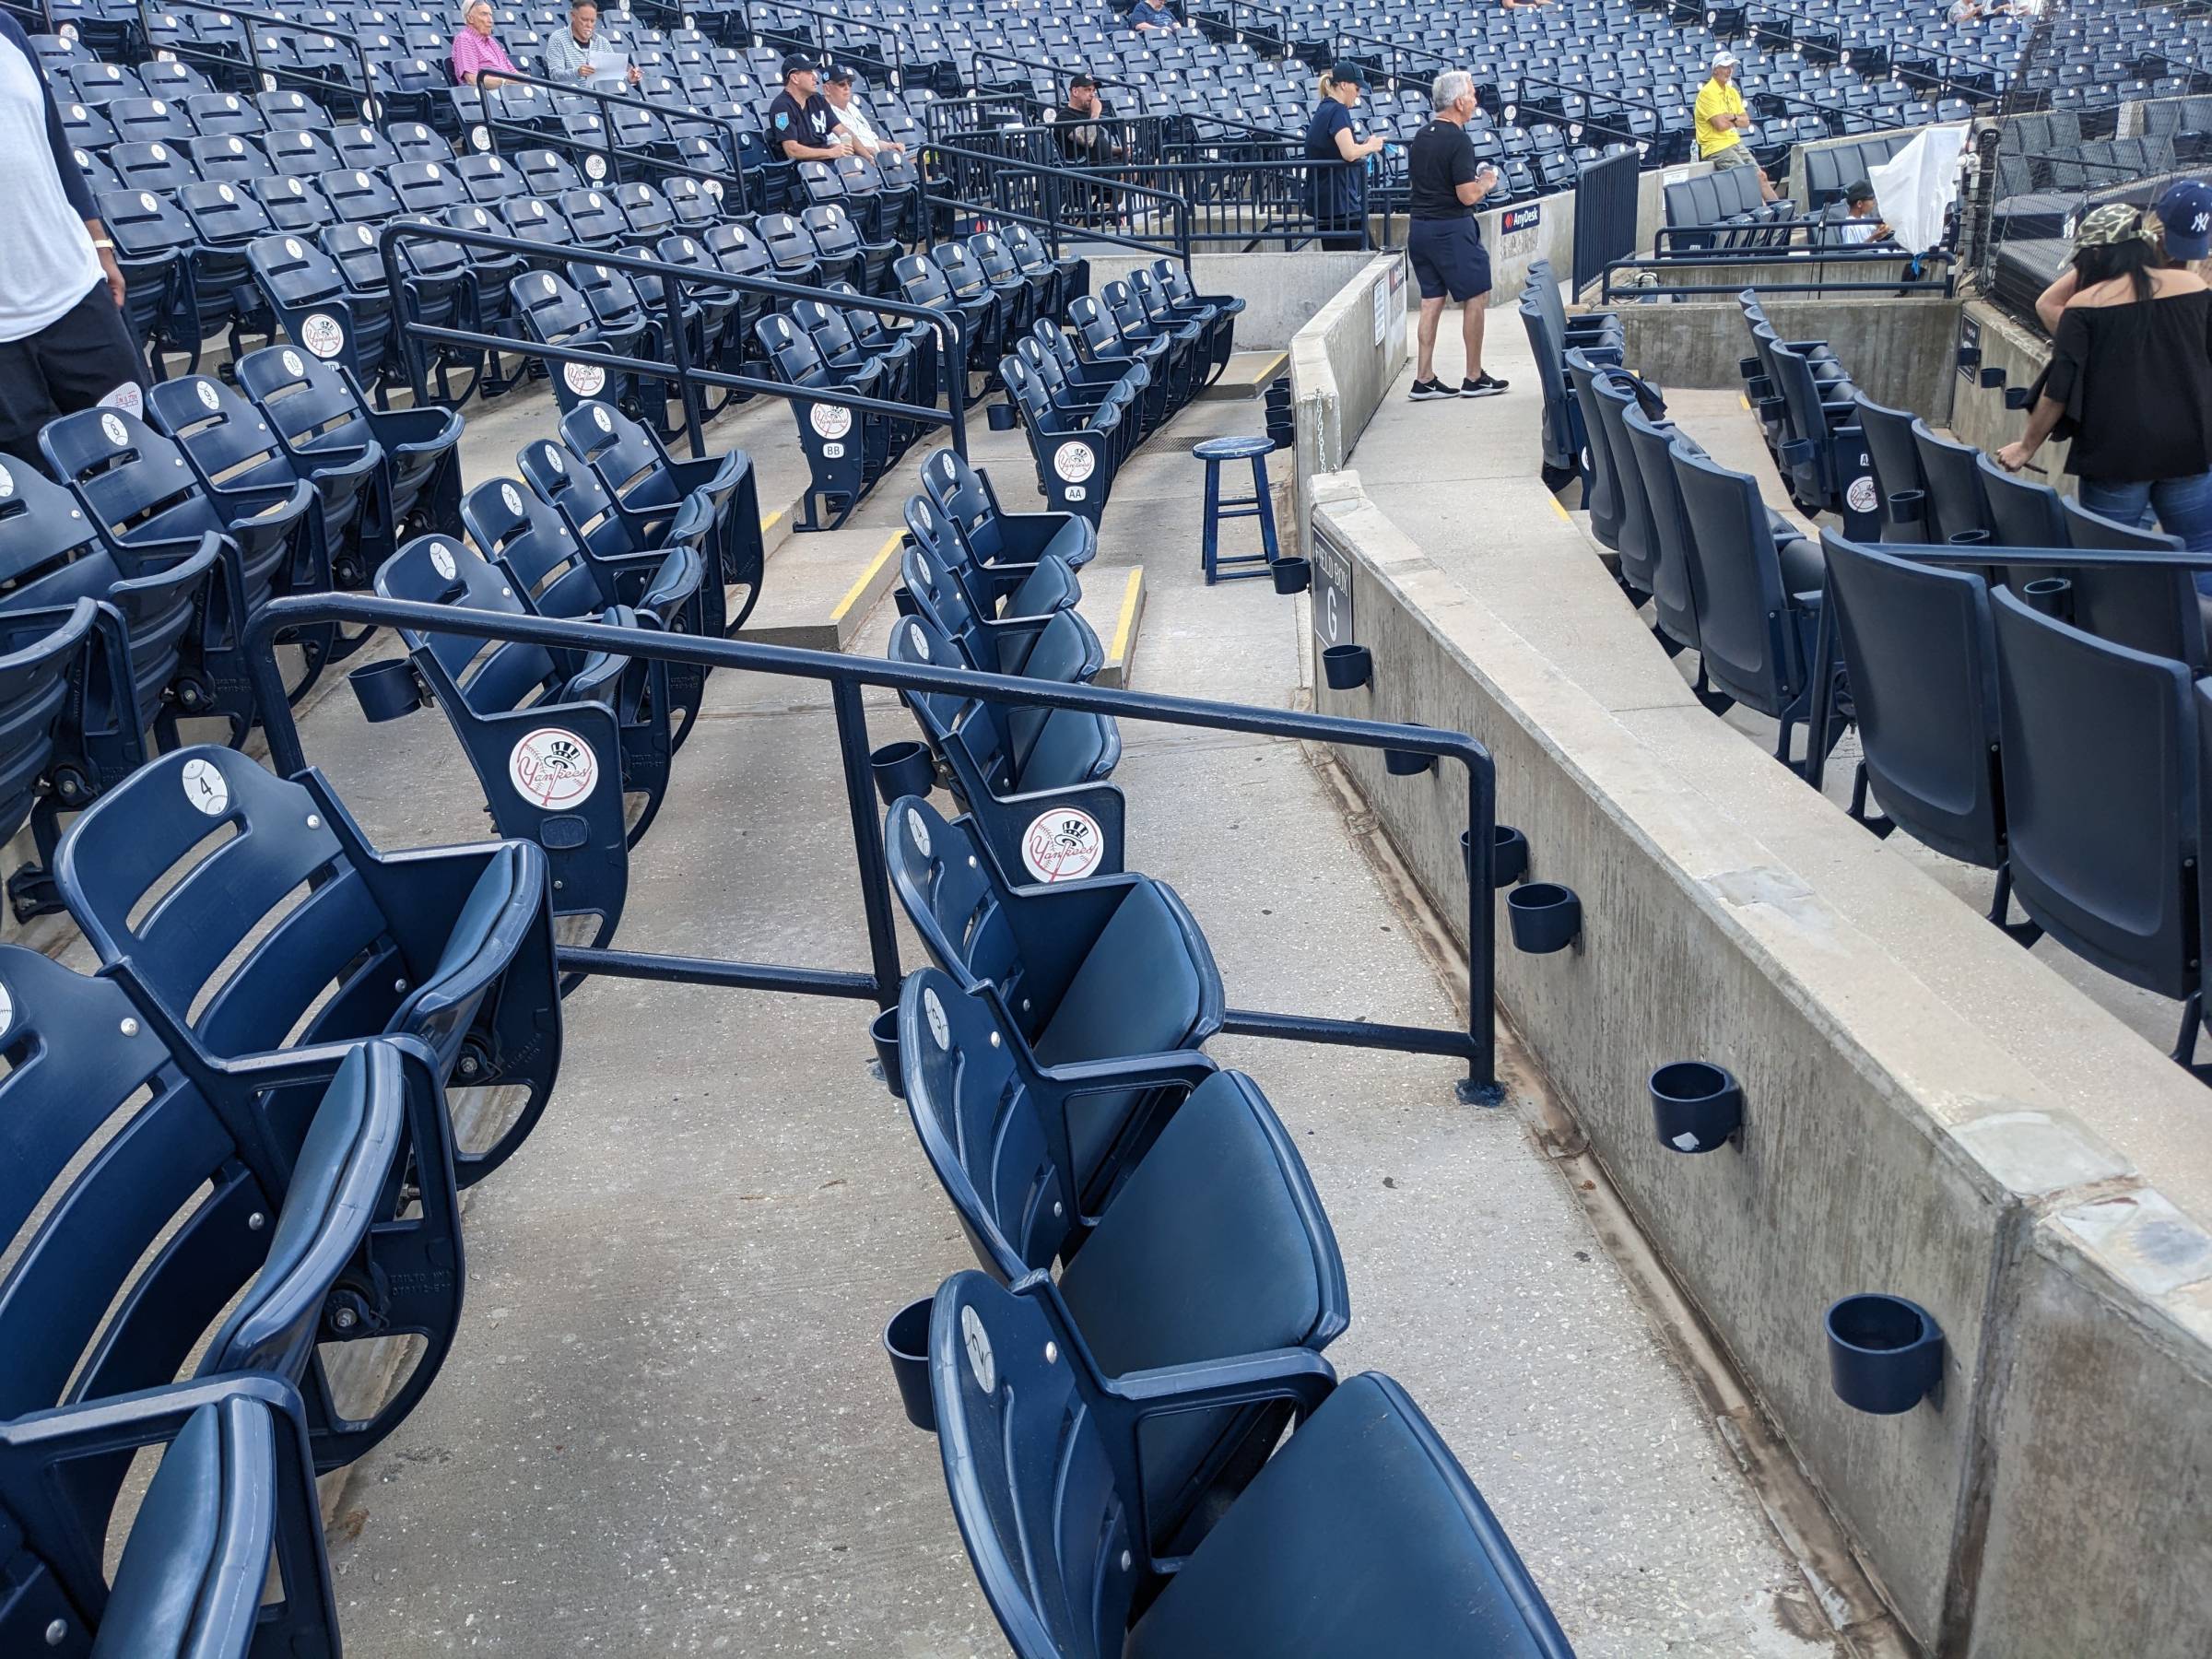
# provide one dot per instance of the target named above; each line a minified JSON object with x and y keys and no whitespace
{"x":1449,"y":258}
{"x":84,"y":358}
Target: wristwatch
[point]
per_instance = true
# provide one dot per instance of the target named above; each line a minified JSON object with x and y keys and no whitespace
{"x":102,"y":242}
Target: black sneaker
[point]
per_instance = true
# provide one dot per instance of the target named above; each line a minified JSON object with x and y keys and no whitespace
{"x":1430,"y":389}
{"x":1489,"y":386}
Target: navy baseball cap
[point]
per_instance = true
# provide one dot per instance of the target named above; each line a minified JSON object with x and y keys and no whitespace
{"x":1349,"y":72}
{"x":2186,"y":212}
{"x":798,"y":63}
{"x":842,"y":74}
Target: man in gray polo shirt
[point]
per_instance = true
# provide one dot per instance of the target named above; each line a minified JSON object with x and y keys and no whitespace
{"x":569,"y":55}
{"x":63,"y":346}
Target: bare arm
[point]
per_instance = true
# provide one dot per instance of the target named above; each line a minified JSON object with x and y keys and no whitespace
{"x":2053,"y":300}
{"x":1356,"y":149}
{"x":2014,"y":457}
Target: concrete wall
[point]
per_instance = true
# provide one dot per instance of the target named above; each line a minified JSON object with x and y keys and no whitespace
{"x":1900,"y":350}
{"x":1979,"y":416}
{"x":1930,"y":1111}
{"x":1281,"y":291}
{"x":1340,"y":370}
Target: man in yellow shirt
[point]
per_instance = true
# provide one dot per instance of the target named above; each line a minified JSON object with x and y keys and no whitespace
{"x":1722,"y":123}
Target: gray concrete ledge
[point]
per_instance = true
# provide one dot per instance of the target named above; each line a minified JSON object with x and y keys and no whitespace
{"x":1931,"y":1113}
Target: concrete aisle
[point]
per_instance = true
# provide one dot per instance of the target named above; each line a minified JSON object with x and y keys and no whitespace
{"x":668,"y":1427}
{"x":1463,"y":478}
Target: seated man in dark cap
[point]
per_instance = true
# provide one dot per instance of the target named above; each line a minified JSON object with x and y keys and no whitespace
{"x":801,"y":125}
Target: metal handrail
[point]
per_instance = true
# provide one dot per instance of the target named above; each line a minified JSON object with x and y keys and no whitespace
{"x":1476,"y":1044}
{"x":735,"y":177}
{"x":1057,"y":180}
{"x":689,"y":379}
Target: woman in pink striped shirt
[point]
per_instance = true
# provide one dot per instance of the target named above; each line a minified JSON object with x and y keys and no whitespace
{"x":476,"y":55}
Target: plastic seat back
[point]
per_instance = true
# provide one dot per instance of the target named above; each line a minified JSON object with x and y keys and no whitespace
{"x":1675,"y":573}
{"x":525,"y":537}
{"x":1639,"y":540}
{"x":2146,"y":608}
{"x":1740,"y":598}
{"x":1922,"y":654}
{"x":491,"y":675}
{"x":1601,"y":484}
{"x":2100,"y":796}
{"x":131,"y":481}
{"x":2022,"y":513}
{"x":1897,"y":476}
{"x":1957,"y":510}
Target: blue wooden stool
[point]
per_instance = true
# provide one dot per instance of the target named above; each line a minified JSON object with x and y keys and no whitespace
{"x":1259,"y":505}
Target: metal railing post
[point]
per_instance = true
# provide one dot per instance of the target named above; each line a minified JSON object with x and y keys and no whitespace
{"x":867,"y":838}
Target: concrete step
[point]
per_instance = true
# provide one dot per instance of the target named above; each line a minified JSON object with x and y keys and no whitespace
{"x":1249,"y":374}
{"x":819,"y":587}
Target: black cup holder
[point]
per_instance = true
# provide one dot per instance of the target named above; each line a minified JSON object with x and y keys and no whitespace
{"x":902,"y":769}
{"x":1001,"y":417}
{"x":1885,"y":1354}
{"x":1291,"y":575}
{"x":386,"y":690}
{"x":2053,"y":595}
{"x":1509,"y":856}
{"x":883,"y":1031}
{"x":1544,"y":917}
{"x":1696,"y":1107}
{"x":1407,"y":763}
{"x":1968,"y":538}
{"x":906,"y":1340}
{"x":1346,"y":667}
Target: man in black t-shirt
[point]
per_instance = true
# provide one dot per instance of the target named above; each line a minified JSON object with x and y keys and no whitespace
{"x":800,"y":121}
{"x":1444,"y":182}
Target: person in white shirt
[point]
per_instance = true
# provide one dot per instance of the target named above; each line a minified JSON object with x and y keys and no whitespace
{"x":1862,"y":222}
{"x":846,"y":111}
{"x":63,"y":345}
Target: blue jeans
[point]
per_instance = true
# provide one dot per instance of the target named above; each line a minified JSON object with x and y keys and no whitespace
{"x":2183,"y":507}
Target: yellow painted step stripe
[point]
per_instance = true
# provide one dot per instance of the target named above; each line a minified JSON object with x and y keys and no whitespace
{"x":1127,"y":624}
{"x":852,"y":594}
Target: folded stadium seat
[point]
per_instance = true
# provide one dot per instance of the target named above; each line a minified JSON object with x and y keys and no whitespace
{"x":2101,"y":800}
{"x":627,"y":561}
{"x":226,"y":219}
{"x":97,"y":83}
{"x":560,"y":739}
{"x":1648,"y":446}
{"x":46,"y":663}
{"x":1002,"y":592}
{"x":1362,"y":1533}
{"x":1058,"y":645}
{"x":295,"y":205}
{"x":923,"y":282}
{"x":842,"y":353}
{"x":1084,"y":399}
{"x":1216,"y":332}
{"x":1957,"y":510}
{"x":230,"y":159}
{"x":879,"y":336}
{"x":1012,"y":765}
{"x":968,"y":276}
{"x":594,"y":221}
{"x":1894,"y":453}
{"x":690,"y":204}
{"x":316,"y":306}
{"x":450,"y":947}
{"x":234,"y":1488}
{"x":646,"y":215}
{"x":525,"y":535}
{"x":409,"y":458}
{"x":1824,"y":456}
{"x":137,"y":490}
{"x":847,"y":449}
{"x":1034,"y":259}
{"x":553,"y":313}
{"x":329,"y":1180}
{"x":546,"y":174}
{"x":153,"y":248}
{"x":794,"y":255}
{"x":1756,"y":598}
{"x":1563,"y":438}
{"x":1614,"y":392}
{"x":412,"y":141}
{"x":290,"y":111}
{"x":1601,"y":478}
{"x":161,"y":166}
{"x":426,"y":188}
{"x":1094,"y":379}
{"x":741,"y":253}
{"x":1076,"y":453}
{"x":2148,"y":609}
{"x":147,"y":121}
{"x":1187,"y":357}
{"x":1195,"y":1234}
{"x":533,"y":220}
{"x":359,"y":197}
{"x":362,"y":147}
{"x":837,"y":239}
{"x":1585,"y":329}
{"x":1920,"y":654}
{"x":1098,"y":339}
{"x":489,"y":179}
{"x":1090,"y":964}
{"x":300,"y":152}
{"x":649,"y":490}
{"x":240,"y":462}
{"x":988,"y":533}
{"x":715,"y":343}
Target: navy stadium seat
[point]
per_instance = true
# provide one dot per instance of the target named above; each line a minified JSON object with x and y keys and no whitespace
{"x":1361,"y":1535}
{"x":450,"y":947}
{"x":993,"y":535}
